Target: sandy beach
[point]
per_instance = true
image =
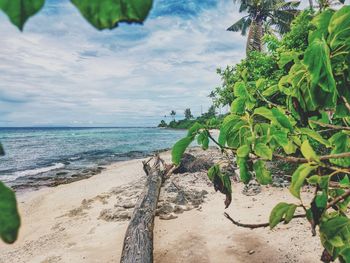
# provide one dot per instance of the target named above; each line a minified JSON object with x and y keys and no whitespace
{"x":85,"y":221}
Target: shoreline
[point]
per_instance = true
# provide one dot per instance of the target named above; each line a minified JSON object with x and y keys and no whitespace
{"x":56,"y":177}
{"x":85,"y":221}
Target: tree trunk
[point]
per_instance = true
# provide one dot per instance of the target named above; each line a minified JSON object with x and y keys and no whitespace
{"x":311,"y":4}
{"x":255,"y":35}
{"x":138,"y":241}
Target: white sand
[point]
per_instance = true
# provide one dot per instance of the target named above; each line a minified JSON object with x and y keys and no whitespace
{"x":56,"y":227}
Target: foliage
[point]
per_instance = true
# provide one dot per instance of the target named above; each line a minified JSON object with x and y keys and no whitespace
{"x":298,"y":113}
{"x":188,"y":114}
{"x":101,"y":14}
{"x":268,"y":67}
{"x":210,"y":119}
{"x":9,"y":216}
{"x":262,"y":14}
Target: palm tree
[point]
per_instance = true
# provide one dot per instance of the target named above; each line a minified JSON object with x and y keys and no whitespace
{"x":260,"y":13}
{"x":173,"y":114}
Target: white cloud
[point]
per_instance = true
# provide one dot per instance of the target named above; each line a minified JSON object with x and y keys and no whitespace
{"x":61,"y":71}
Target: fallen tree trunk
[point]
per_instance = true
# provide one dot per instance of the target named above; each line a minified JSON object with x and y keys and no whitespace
{"x":138,"y":241}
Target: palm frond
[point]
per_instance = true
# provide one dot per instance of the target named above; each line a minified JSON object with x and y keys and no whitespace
{"x":240,"y":25}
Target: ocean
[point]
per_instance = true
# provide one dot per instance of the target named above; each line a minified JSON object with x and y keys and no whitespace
{"x":37,"y":157}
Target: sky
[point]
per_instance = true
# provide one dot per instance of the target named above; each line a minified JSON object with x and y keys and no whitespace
{"x":63,"y":72}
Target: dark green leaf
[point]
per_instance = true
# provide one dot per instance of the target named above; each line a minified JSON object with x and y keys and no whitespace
{"x":9,"y":216}
{"x":321,"y":200}
{"x":228,"y":123}
{"x":320,"y":22}
{"x":263,"y":176}
{"x":243,"y":170}
{"x":179,"y":148}
{"x":317,"y":60}
{"x":339,"y":29}
{"x":213,"y":171}
{"x":281,"y":137}
{"x":341,"y":142}
{"x":282,"y":119}
{"x":104,"y":14}
{"x":20,"y":10}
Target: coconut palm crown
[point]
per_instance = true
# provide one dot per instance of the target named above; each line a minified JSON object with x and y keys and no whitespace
{"x":262,"y":14}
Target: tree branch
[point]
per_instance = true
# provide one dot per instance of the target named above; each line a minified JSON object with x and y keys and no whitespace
{"x":338,"y":199}
{"x":347,"y":105}
{"x":253,"y":226}
{"x":334,"y":127}
{"x":289,"y":159}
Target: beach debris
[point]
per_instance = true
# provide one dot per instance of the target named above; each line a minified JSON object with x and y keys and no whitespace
{"x":252,"y":188}
{"x":167,"y":217}
{"x":192,"y":164}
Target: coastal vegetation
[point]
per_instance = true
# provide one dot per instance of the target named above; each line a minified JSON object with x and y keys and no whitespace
{"x":290,"y":103}
{"x":211,"y":119}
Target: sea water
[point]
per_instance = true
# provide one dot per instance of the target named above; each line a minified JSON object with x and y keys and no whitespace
{"x":34,"y":156}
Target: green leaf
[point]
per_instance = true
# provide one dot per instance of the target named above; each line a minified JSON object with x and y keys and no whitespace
{"x":270,"y":90}
{"x":179,"y":148}
{"x":203,"y":140}
{"x":238,"y":105}
{"x":317,"y":60}
{"x":243,"y":151}
{"x":194,"y":129}
{"x":243,"y":170}
{"x":290,"y":148}
{"x":263,"y":176}
{"x":227,"y":183}
{"x":315,"y":135}
{"x":339,"y":28}
{"x":335,"y":235}
{"x":19,"y":11}
{"x":321,"y":200}
{"x":9,"y":216}
{"x":320,"y":22}
{"x":298,"y":178}
{"x":260,"y":83}
{"x":281,"y":211}
{"x":281,"y":137}
{"x":213,"y":171}
{"x":282,"y":119}
{"x":265,"y":112}
{"x":104,"y":14}
{"x":315,"y":179}
{"x":308,"y":152}
{"x":290,"y":213}
{"x":341,"y":142}
{"x":345,"y":254}
{"x":240,"y":90}
{"x":263,"y":151}
{"x":228,"y":123}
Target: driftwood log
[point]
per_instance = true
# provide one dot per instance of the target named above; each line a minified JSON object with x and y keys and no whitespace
{"x":138,"y":241}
